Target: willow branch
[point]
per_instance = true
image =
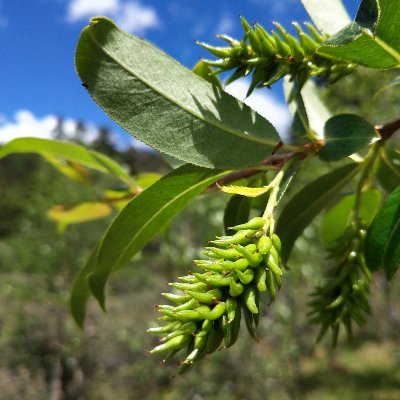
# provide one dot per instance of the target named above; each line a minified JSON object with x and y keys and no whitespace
{"x":387,"y":130}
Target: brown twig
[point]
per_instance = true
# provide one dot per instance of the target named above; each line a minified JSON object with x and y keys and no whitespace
{"x":274,"y":161}
{"x":388,"y":129}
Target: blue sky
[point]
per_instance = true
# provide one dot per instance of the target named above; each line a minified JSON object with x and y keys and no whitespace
{"x":38,"y":39}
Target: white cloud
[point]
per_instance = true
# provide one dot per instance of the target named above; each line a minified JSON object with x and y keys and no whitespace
{"x":225,"y":25}
{"x":266,"y":105}
{"x":26,"y":124}
{"x":79,"y":9}
{"x":131,"y":16}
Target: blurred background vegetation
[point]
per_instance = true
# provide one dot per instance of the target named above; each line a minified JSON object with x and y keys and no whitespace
{"x":45,"y":356}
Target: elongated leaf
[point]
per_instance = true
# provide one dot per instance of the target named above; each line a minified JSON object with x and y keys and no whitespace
{"x":391,"y":260}
{"x":316,"y":111}
{"x":328,"y":15}
{"x":237,"y":212}
{"x":66,"y":151}
{"x":80,"y":292}
{"x":308,"y":202}
{"x":337,"y":219}
{"x":78,"y":213}
{"x":167,"y":106}
{"x":345,"y":134}
{"x":145,"y":216}
{"x":388,"y":169}
{"x":381,"y":248}
{"x":372,"y":39}
{"x":245,"y":191}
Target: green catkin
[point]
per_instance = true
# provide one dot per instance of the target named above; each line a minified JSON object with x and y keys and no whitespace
{"x":207,"y":312}
{"x":261,"y":52}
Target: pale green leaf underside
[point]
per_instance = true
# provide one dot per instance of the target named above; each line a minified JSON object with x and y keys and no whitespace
{"x":317,"y":112}
{"x":372,"y":40}
{"x":65,"y":151}
{"x":167,"y":106}
{"x":328,"y":15}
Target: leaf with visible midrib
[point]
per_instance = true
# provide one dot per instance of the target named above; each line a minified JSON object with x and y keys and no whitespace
{"x":306,"y":204}
{"x":166,"y":105}
{"x":345,"y":134}
{"x":66,"y":151}
{"x":372,"y":39}
{"x":328,"y":15}
{"x":145,"y":216}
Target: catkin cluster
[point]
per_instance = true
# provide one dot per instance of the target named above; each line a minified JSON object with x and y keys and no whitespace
{"x":344,"y":296}
{"x":271,"y":56}
{"x":208,"y":305}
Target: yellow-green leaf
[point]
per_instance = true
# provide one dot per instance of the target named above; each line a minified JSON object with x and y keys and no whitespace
{"x":245,"y":191}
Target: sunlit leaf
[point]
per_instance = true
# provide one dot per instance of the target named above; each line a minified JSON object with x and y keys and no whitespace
{"x":166,"y":105}
{"x":372,"y":39}
{"x":65,"y":151}
{"x":328,"y":15}
{"x":245,"y":191}
{"x":83,"y":212}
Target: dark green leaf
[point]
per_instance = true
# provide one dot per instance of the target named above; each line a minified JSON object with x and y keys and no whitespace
{"x":167,"y":106}
{"x":391,"y":260}
{"x":381,"y":248}
{"x":145,"y":216}
{"x":346,"y":134}
{"x":308,"y":202}
{"x":372,"y":39}
{"x":237,"y":211}
{"x":80,"y":291}
{"x":388,"y":169}
{"x":337,"y":219}
{"x":65,"y":151}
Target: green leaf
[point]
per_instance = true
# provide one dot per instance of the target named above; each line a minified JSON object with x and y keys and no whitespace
{"x":308,"y":202}
{"x":245,"y":191}
{"x":204,"y":71}
{"x":80,"y":292}
{"x":372,"y":39}
{"x":393,"y":83}
{"x":391,"y":260}
{"x":65,"y":151}
{"x":388,"y":169}
{"x":345,"y":134}
{"x":146,"y":215}
{"x":167,"y":106}
{"x":308,"y":103}
{"x":78,"y":213}
{"x":337,"y":219}
{"x":329,"y":16}
{"x":383,"y":240}
{"x":237,"y":212}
